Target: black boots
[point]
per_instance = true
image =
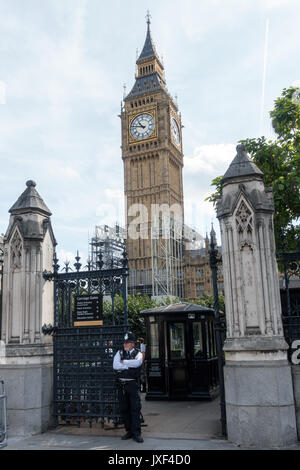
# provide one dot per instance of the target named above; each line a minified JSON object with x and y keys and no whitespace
{"x":136,"y":438}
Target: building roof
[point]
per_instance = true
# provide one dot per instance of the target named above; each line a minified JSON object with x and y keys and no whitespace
{"x":148,"y":51}
{"x":241,"y":165}
{"x":182,"y":307}
{"x":145,"y":85}
{"x":30,"y":200}
{"x":150,"y":82}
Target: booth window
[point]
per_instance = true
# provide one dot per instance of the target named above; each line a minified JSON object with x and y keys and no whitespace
{"x":177,"y":346}
{"x":197,"y":335}
{"x":208,"y":349}
{"x":154,"y":344}
{"x":213,"y":342}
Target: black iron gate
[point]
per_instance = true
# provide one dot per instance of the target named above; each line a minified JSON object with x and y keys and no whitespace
{"x":215,"y":259}
{"x":289,"y":266}
{"x":85,"y":340}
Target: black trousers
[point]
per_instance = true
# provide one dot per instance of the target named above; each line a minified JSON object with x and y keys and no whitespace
{"x":130,"y":406}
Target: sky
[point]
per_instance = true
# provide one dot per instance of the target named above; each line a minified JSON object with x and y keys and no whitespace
{"x":63,"y":67}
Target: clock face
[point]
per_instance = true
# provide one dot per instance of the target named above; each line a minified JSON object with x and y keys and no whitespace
{"x":142,"y":126}
{"x":175,"y":131}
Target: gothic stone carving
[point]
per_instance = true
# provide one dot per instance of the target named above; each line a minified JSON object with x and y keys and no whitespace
{"x":16,"y":251}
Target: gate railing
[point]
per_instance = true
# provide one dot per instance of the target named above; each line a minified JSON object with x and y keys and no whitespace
{"x":3,"y":412}
{"x":84,"y":381}
{"x":215,"y":259}
{"x":289,"y":265}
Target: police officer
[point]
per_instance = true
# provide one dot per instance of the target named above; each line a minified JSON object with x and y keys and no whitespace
{"x":127,"y":363}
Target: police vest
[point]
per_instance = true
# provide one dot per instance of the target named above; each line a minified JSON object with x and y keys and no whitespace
{"x":131,"y":372}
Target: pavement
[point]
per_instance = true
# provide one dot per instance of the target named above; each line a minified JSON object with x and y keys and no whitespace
{"x":168,"y":425}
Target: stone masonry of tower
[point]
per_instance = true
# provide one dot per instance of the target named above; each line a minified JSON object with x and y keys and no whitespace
{"x":197,"y":272}
{"x":151,"y":152}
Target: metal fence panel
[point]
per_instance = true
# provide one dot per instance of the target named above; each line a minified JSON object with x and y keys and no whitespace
{"x":3,"y":413}
{"x":84,"y":381}
{"x":85,"y":385}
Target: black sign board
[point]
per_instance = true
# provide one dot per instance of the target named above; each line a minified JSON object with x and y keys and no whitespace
{"x":88,"y":310}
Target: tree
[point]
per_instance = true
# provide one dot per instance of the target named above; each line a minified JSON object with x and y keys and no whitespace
{"x":280,"y":162}
{"x":135,"y":304}
{"x":208,"y":301}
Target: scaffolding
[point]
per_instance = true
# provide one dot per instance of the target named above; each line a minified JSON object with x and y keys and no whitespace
{"x":168,"y":242}
{"x":110,"y":242}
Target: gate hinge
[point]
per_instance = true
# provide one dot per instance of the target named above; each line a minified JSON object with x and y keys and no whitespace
{"x":48,"y":275}
{"x":48,"y":329}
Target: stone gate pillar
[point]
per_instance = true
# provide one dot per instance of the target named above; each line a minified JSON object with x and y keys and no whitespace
{"x":258,"y":384}
{"x":27,"y":364}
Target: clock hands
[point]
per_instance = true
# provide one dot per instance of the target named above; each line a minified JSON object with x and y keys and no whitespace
{"x":141,"y":125}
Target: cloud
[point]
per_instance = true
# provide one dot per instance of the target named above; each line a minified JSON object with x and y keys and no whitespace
{"x":64,"y":63}
{"x":203,"y":17}
{"x":59,"y":170}
{"x":206,"y":162}
{"x":69,"y":257}
{"x":211,"y":159}
{"x":273,"y":4}
{"x":114,"y":194}
{"x":2,"y":92}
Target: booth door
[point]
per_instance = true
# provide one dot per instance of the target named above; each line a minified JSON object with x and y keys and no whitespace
{"x":177,"y":360}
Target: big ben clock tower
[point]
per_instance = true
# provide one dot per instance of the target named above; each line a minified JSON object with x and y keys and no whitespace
{"x":153,"y":162}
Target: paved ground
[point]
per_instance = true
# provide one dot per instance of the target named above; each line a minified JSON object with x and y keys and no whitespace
{"x":59,"y":441}
{"x":178,"y":425}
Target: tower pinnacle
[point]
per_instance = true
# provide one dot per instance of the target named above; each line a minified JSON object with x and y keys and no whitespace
{"x":148,"y":16}
{"x":150,"y":75}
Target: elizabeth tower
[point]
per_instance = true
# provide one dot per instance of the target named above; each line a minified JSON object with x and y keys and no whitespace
{"x":152,"y":156}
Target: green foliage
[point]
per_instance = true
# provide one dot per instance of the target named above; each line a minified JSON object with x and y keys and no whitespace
{"x":135,"y":304}
{"x":280,"y":162}
{"x":286,"y":116}
{"x":217,"y":183}
{"x":208,"y":301}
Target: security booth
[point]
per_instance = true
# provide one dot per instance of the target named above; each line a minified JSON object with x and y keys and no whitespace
{"x":181,"y":356}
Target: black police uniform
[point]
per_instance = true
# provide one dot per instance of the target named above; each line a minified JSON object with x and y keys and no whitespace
{"x":128,"y":392}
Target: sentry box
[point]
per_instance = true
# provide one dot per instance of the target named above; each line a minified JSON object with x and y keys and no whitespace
{"x":181,"y":354}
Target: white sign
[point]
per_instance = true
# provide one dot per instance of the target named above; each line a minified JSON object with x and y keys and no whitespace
{"x":296,"y":354}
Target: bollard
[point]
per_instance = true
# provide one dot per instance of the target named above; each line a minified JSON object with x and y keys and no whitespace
{"x":3,"y":440}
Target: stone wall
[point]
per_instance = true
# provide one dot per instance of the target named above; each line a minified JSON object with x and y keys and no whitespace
{"x":26,"y":362}
{"x":296,"y":386}
{"x":260,"y":405}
